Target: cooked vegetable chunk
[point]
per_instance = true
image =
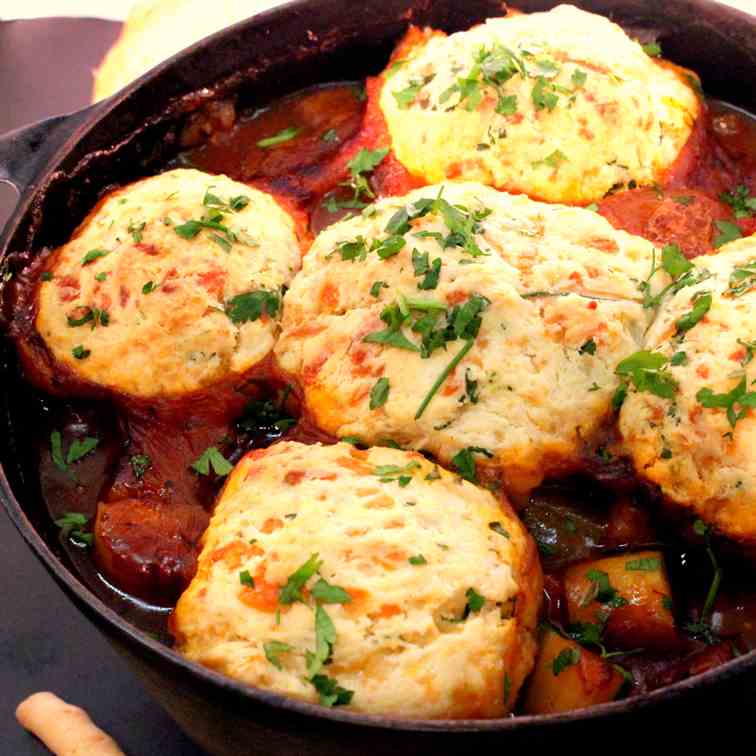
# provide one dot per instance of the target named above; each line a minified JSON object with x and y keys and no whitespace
{"x":628,"y":596}
{"x":567,"y":677}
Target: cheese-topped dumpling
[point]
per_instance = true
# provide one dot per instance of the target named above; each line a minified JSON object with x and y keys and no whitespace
{"x":469,"y":323}
{"x":688,"y":420}
{"x":372,"y":579}
{"x":170,"y":285}
{"x":561,"y":105}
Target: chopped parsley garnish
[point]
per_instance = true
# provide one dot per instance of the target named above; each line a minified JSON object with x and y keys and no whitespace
{"x":71,"y":525}
{"x":135,"y":229}
{"x":464,"y":323}
{"x":417,"y":560}
{"x":140,"y":463}
{"x":471,"y":388}
{"x":553,"y":160}
{"x":544,"y":94}
{"x":644,"y":564}
{"x":363,"y":163}
{"x":579,"y":77}
{"x":750,"y":347}
{"x":647,"y":372}
{"x":742,"y":279}
{"x":588,"y":348}
{"x":211,"y":457}
{"x":379,"y":393}
{"x":326,"y":593}
{"x":405,"y":97}
{"x":701,"y":305}
{"x":429,"y":270}
{"x":395,"y":473}
{"x":736,"y":402}
{"x":493,"y":68}
{"x":48,"y":276}
{"x":330,"y":136}
{"x":740,"y":200}
{"x":78,"y":449}
{"x":727,"y":232}
{"x":325,"y":637}
{"x":679,"y":268}
{"x":234,"y":204}
{"x":80,"y":353}
{"x":375,"y":289}
{"x":567,"y":657}
{"x":464,"y":462}
{"x":678,"y":358}
{"x":251,"y":306}
{"x":292,"y":591}
{"x":101,"y":276}
{"x":246,"y":579}
{"x":273,"y":649}
{"x":475,"y":601}
{"x":652,"y":49}
{"x":188,"y":230}
{"x":93,"y":315}
{"x":330,"y":692}
{"x":149,"y":287}
{"x":94,"y":254}
{"x":601,"y":590}
{"x":285,"y":135}
{"x":703,"y":627}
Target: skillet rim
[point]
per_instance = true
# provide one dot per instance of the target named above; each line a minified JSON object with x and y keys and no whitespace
{"x":83,"y":122}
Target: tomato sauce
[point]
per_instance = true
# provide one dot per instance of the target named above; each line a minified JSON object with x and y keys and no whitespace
{"x":148,"y":519}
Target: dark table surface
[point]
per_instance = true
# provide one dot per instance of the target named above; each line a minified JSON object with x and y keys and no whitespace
{"x":45,"y":644}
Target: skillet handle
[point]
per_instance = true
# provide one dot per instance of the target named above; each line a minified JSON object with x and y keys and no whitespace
{"x":25,"y":151}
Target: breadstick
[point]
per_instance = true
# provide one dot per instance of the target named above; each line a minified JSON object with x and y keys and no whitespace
{"x":65,"y":729}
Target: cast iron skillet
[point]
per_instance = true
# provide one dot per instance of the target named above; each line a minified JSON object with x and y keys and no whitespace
{"x":63,"y":165}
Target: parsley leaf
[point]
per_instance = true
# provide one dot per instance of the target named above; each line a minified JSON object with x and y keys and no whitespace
{"x":326,"y":593}
{"x":417,"y":560}
{"x":737,"y":396}
{"x":646,"y":372}
{"x":475,"y":601}
{"x":644,"y":564}
{"x":379,"y":393}
{"x":211,"y":457}
{"x":251,"y":305}
{"x":330,"y":692}
{"x":727,"y":232}
{"x":742,"y":279}
{"x":71,"y":524}
{"x":742,"y":204}
{"x":246,"y":579}
{"x":140,"y":463}
{"x":80,"y":353}
{"x":292,"y":591}
{"x":601,"y":590}
{"x":701,"y":305}
{"x":565,"y":658}
{"x":464,"y":463}
{"x":94,"y":254}
{"x":273,"y":649}
{"x":285,"y":135}
{"x":325,"y":637}
{"x":588,"y":348}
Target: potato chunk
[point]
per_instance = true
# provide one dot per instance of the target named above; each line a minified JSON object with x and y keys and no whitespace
{"x":629,"y":595}
{"x":567,"y":676}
